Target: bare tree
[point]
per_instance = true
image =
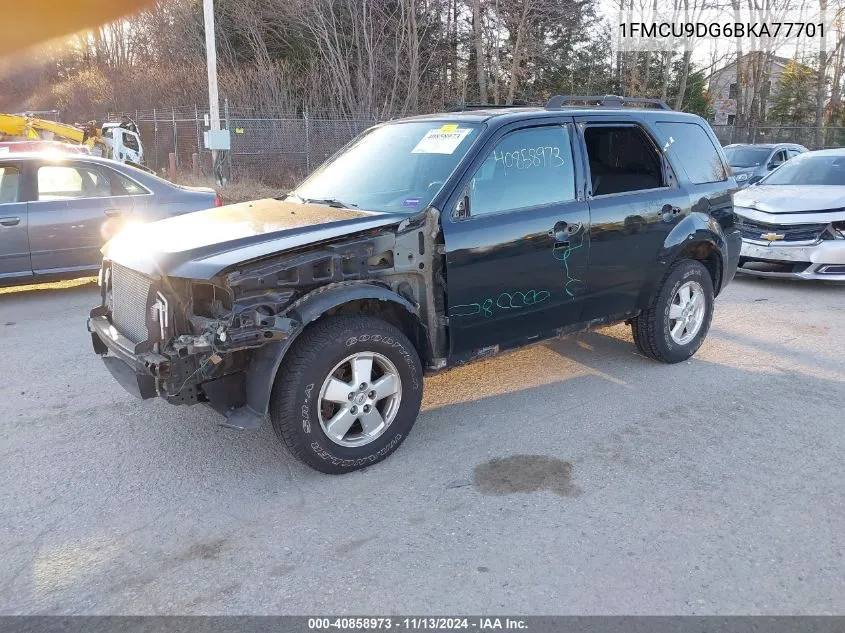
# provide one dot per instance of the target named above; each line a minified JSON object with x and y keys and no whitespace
{"x":821,"y":81}
{"x":693,"y":10}
{"x":526,"y":16}
{"x":480,"y":72}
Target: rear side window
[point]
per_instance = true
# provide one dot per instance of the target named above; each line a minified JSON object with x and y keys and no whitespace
{"x":692,"y":148}
{"x":123,"y":186}
{"x":9,"y":184}
{"x":621,"y":159}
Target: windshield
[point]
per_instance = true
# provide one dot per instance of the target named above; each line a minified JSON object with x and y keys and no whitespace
{"x":395,"y":168}
{"x":809,"y":170}
{"x":747,"y":156}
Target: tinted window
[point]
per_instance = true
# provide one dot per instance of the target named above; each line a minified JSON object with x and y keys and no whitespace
{"x":691,"y":146}
{"x":621,"y":159}
{"x":60,"y":182}
{"x":527,"y":168}
{"x":9,"y":184}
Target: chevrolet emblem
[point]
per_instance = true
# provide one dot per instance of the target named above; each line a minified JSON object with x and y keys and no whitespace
{"x":772,"y":237}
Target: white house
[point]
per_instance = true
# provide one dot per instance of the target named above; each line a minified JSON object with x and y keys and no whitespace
{"x":723,"y":86}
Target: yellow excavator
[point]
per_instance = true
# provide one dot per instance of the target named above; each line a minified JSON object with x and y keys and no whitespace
{"x":119,"y":140}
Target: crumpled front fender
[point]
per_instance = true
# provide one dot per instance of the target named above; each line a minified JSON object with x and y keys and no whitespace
{"x":266,"y":360}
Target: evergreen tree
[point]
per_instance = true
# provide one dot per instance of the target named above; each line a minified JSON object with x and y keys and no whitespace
{"x":792,"y":102}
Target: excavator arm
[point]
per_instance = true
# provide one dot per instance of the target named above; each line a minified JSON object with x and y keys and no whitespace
{"x":32,"y":128}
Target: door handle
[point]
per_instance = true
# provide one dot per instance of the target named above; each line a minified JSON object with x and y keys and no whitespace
{"x":113,"y":213}
{"x":562,"y":231}
{"x":10,"y":221}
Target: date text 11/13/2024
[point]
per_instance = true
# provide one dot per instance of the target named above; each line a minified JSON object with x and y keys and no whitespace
{"x":416,"y":623}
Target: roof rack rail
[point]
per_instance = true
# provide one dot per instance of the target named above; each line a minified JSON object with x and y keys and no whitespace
{"x":461,"y":107}
{"x":606,"y":101}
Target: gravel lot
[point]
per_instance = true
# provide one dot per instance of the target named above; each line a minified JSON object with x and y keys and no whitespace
{"x":575,"y":477}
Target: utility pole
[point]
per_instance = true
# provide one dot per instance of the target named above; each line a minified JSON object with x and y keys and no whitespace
{"x":213,"y":98}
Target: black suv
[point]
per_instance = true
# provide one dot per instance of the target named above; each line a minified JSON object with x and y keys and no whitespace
{"x":425,"y":243}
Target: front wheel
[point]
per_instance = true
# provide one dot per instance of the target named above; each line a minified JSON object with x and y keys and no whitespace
{"x":347,"y":394}
{"x":676,"y":323}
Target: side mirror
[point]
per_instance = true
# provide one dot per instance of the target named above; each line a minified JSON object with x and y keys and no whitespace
{"x":773,"y":165}
{"x":753,"y":181}
{"x":462,"y":207}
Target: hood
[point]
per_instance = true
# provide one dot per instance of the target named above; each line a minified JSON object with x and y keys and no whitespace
{"x":202,"y":244}
{"x":792,"y":198}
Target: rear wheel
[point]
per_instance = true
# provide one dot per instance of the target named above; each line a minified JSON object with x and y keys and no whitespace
{"x":347,"y":394}
{"x":676,"y":323}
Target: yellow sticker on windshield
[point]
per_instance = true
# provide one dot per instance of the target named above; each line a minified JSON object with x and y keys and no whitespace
{"x":448,"y":128}
{"x":440,"y":142}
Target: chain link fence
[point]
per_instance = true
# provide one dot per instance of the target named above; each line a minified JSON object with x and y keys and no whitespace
{"x":803,"y":135}
{"x":276,"y":147}
{"x":279,"y":147}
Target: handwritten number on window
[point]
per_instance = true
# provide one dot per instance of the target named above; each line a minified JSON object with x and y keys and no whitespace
{"x":530,"y":157}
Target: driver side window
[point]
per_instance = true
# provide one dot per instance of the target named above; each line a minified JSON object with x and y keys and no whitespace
{"x":778,"y":158}
{"x":130,"y":142}
{"x":527,"y":168}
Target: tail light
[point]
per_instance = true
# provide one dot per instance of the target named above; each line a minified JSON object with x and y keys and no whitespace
{"x":218,"y":200}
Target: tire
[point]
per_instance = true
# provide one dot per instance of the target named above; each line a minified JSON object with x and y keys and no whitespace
{"x":305,"y":401}
{"x":652,"y":329}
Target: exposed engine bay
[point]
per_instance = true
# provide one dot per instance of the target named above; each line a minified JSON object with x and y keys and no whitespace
{"x":200,"y":340}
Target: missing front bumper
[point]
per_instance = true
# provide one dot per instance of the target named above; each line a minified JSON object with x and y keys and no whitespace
{"x":132,"y":371}
{"x":139,"y":385}
{"x":139,"y":373}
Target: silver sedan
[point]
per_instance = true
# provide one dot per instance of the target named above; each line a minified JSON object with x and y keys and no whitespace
{"x":57,"y":211}
{"x":793,"y":221}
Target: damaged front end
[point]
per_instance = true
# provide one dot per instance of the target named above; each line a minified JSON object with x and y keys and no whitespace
{"x":184,"y":341}
{"x":220,"y":341}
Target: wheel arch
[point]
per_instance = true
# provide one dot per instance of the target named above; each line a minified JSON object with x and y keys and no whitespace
{"x":708,"y":253}
{"x":341,"y":298}
{"x":698,"y":236}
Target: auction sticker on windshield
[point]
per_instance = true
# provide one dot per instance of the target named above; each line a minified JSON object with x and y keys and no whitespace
{"x":444,"y":140}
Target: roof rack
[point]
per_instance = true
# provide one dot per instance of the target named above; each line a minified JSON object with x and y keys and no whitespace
{"x":606,"y":101}
{"x":462,"y":107}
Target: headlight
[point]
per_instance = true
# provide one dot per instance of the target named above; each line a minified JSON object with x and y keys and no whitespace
{"x":742,"y":178}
